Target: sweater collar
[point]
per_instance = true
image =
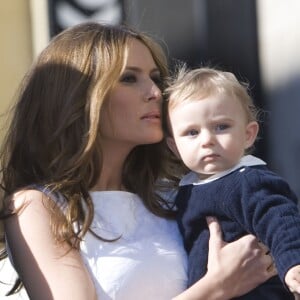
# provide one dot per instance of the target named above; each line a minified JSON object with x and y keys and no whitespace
{"x":246,"y":161}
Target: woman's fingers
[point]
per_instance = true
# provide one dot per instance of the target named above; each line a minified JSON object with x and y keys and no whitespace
{"x":271,"y":269}
{"x":258,"y":254}
{"x":216,"y":239}
{"x":263,"y":247}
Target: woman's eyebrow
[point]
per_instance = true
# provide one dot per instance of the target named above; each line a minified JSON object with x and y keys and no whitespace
{"x":138,"y":69}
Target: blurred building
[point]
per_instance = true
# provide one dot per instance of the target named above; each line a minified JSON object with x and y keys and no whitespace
{"x":257,"y":40}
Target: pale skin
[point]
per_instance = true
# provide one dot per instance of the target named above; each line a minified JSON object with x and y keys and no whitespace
{"x":211,"y":135}
{"x":54,"y":271}
{"x":292,"y":280}
{"x":47,"y":271}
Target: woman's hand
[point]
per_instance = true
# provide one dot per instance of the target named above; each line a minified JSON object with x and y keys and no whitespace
{"x":233,"y":268}
{"x":238,"y":266}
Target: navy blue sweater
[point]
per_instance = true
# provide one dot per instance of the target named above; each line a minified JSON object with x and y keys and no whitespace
{"x":248,"y":200}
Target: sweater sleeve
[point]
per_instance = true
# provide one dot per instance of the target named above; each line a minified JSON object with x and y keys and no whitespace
{"x":268,"y":209}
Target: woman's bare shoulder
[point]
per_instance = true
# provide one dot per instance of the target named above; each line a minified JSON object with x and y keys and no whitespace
{"x":26,"y":197}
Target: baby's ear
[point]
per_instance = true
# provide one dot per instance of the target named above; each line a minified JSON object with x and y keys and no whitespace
{"x":172,"y":146}
{"x":251,"y":133}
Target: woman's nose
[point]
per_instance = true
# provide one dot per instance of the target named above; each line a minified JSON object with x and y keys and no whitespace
{"x":153,"y":93}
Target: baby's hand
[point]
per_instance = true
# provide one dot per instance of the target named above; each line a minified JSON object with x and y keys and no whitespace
{"x":292,"y":279}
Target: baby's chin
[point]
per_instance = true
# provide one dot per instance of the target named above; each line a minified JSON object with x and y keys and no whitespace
{"x":210,"y":171}
{"x":213,"y":172}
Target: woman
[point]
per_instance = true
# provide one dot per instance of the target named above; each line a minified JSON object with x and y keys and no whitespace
{"x":80,"y":164}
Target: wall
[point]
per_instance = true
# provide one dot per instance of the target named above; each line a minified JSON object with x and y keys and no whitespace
{"x":15,"y":50}
{"x":279,"y":44}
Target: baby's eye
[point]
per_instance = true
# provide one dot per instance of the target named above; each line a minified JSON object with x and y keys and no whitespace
{"x":128,"y":78}
{"x":192,"y":132}
{"x":222,"y":127}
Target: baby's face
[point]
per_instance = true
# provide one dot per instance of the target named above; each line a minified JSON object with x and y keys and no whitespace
{"x":211,"y":134}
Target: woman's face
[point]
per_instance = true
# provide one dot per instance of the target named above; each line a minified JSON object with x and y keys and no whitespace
{"x":131,"y":114}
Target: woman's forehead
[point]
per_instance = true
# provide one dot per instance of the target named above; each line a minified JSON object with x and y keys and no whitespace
{"x":138,"y":54}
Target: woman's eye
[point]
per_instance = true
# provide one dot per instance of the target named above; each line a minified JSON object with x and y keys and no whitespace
{"x":157,"y":80}
{"x":128,"y":78}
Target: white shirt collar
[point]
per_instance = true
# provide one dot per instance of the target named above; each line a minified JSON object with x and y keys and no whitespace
{"x":193,"y":178}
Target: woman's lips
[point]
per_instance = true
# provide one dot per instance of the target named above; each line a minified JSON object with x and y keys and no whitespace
{"x":151,"y":116}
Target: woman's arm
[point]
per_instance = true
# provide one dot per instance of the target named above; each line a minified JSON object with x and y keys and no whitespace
{"x":48,"y":270}
{"x":233,"y":268}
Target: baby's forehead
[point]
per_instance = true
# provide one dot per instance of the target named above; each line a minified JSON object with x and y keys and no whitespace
{"x":179,"y":97}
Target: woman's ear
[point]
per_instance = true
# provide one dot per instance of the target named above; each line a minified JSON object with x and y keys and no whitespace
{"x":172,"y":146}
{"x":251,"y":133}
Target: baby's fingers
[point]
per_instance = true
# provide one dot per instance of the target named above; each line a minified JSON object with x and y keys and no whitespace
{"x":294,"y":286}
{"x":292,"y":279}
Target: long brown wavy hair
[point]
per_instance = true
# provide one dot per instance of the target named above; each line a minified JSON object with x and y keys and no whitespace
{"x":53,"y":139}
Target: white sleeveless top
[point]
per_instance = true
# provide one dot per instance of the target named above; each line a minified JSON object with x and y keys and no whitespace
{"x":148,"y":260}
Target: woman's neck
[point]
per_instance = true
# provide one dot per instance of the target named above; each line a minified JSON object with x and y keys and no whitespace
{"x":108,"y":182}
{"x":110,"y":178}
